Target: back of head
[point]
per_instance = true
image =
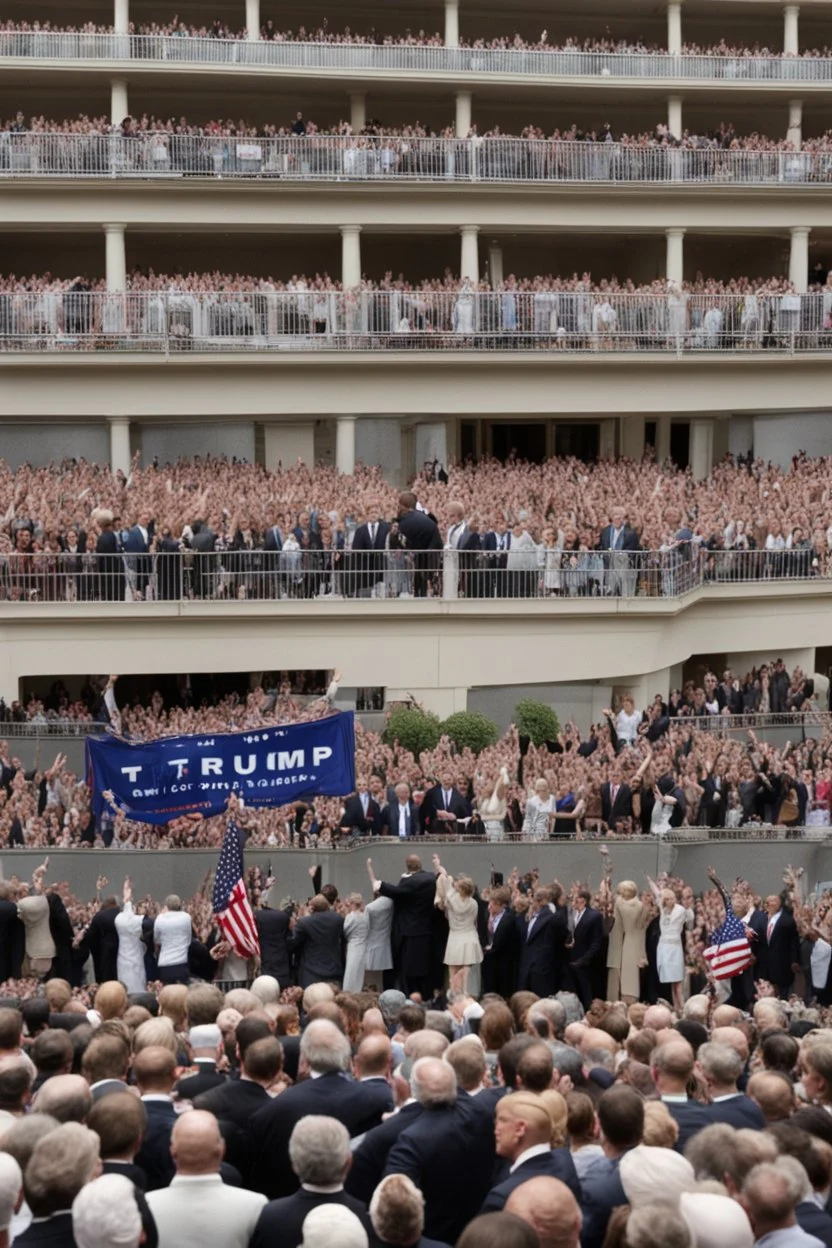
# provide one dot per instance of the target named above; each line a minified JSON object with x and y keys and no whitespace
{"x":52,"y":1052}
{"x":373,"y":1056}
{"x":157,"y":1033}
{"x":774,"y":1093}
{"x":173,"y":902}
{"x":15,"y":1084}
{"x":105,"y":1214}
{"x":172,"y":1000}
{"x":509,"y":1058}
{"x":65,"y":1097}
{"x":319,"y":1150}
{"x":248,"y":1031}
{"x":324,"y":1048}
{"x":202,"y":1005}
{"x":550,"y":1208}
{"x":154,"y":1069}
{"x":661,"y":1130}
{"x":780,"y":1051}
{"x":433,"y":1083}
{"x":658,"y":1226}
{"x":720,"y":1064}
{"x":11,"y":1185}
{"x":621,"y":1116}
{"x":119,"y":1121}
{"x":111,"y":1000}
{"x":35,"y":1013}
{"x":536,"y":1068}
{"x":267,"y":989}
{"x":61,"y":1163}
{"x":328,"y":1225}
{"x":438,"y":1020}
{"x":263,"y":1060}
{"x":769,"y":1195}
{"x":467,"y":1057}
{"x":196,"y":1145}
{"x":498,"y":1230}
{"x":11,"y":1025}
{"x":58,"y":993}
{"x":426,"y":1043}
{"x":105,"y":1057}
{"x":397,"y":1211}
{"x":243,"y":1000}
{"x":20,"y":1140}
{"x":647,"y":1172}
{"x":316,"y":993}
{"x":674,"y":1059}
{"x":715,"y":1221}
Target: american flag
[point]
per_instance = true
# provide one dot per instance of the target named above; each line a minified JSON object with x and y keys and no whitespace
{"x":729,"y":952}
{"x":232,"y":907}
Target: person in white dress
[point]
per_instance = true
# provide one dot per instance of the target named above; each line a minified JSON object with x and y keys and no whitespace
{"x":356,"y":934}
{"x":627,"y":722}
{"x":674,"y":920}
{"x":540,"y":806}
{"x":463,"y":950}
{"x":463,"y":314}
{"x":493,"y":809}
{"x":378,"y":956}
{"x":131,"y":947}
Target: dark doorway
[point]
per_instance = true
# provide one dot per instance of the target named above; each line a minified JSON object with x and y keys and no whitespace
{"x":579,"y":440}
{"x":468,"y":440}
{"x":680,"y":443}
{"x":523,"y":441}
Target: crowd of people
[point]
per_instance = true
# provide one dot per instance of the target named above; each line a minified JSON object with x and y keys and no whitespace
{"x":524,"y":1064}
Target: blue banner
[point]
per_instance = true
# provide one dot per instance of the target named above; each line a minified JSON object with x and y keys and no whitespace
{"x":157,"y":781}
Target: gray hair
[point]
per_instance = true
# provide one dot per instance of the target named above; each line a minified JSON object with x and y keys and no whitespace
{"x":105,"y":1214}
{"x":568,"y":1061}
{"x":20,"y":1140}
{"x":397,"y":1211}
{"x":319,"y":1150}
{"x":553,"y":1011}
{"x":11,"y":1181}
{"x":325,"y":1048}
{"x":173,"y":902}
{"x":720,"y":1062}
{"x":61,"y":1163}
{"x":657,"y":1226}
{"x":771,"y":1192}
{"x":571,"y":1002}
{"x":437,"y":1084}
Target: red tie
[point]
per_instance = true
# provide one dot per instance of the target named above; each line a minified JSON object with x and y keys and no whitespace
{"x":770,"y":929}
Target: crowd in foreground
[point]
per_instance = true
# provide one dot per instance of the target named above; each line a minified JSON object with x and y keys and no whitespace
{"x":370,"y":1081}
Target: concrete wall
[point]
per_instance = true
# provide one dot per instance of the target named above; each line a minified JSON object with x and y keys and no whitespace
{"x":40,"y":444}
{"x":171,"y":441}
{"x":380,"y":442}
{"x":778,"y":438}
{"x":581,"y":703}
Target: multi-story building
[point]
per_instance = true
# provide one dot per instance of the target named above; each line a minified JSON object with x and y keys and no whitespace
{"x":373,"y":385}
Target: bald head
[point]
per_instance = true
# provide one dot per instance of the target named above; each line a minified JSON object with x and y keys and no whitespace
{"x":196,"y":1145}
{"x":734,"y":1038}
{"x":373,"y":1023}
{"x":425,"y":1043}
{"x":658,"y":1018}
{"x":671,"y":1065}
{"x":65,"y":1097}
{"x":373,"y":1056}
{"x":549,"y":1207}
{"x":594,"y":1038}
{"x":726,"y":1016}
{"x":433,"y":1083}
{"x":774,"y":1093}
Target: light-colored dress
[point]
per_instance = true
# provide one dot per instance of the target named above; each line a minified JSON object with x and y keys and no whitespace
{"x":626,"y":948}
{"x":463,"y":947}
{"x":493,"y":811}
{"x":379,"y":954}
{"x":131,"y":949}
{"x":670,"y":955}
{"x":356,"y":934}
{"x":536,"y":818}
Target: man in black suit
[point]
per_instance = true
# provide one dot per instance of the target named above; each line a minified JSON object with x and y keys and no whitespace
{"x":205,"y":1046}
{"x":541,"y":941}
{"x":443,"y":805}
{"x":421,"y":535}
{"x":616,"y":801}
{"x":204,"y":542}
{"x":620,"y":543}
{"x":154,"y":1070}
{"x":587,"y":946}
{"x":413,"y":898}
{"x":496,"y":544}
{"x":318,"y":939}
{"x":326,"y":1055}
{"x":471,"y":574}
{"x":367,"y":557}
{"x":235,"y":1101}
{"x":11,"y":934}
{"x":273,"y":930}
{"x":521,"y":1126}
{"x":362,"y":816}
{"x":502,"y":948}
{"x":781,"y":947}
{"x":137,"y":543}
{"x":119,"y":1120}
{"x":101,"y":940}
{"x":618,"y":535}
{"x":671,"y":1066}
{"x":370,"y":1157}
{"x":721,"y":1066}
{"x":319,"y":1150}
{"x":401,"y":815}
{"x":448,"y":1151}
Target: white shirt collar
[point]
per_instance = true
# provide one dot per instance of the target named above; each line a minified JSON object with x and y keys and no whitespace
{"x":158,"y":1096}
{"x":309,"y":1187}
{"x":536,"y":1150}
{"x":728,"y":1096}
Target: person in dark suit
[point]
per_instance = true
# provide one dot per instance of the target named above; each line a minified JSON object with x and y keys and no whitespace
{"x":136,"y":545}
{"x":587,"y":946}
{"x":616,"y":802}
{"x":319,"y":1150}
{"x":367,"y":555}
{"x":234,"y":1102}
{"x":101,"y":941}
{"x":721,"y":1067}
{"x":402,"y":817}
{"x":168,"y":565}
{"x":413,"y":899}
{"x":618,"y":535}
{"x":273,"y":930}
{"x":781,"y":947}
{"x":204,"y":542}
{"x":522,"y":1129}
{"x":362,"y":816}
{"x":419,"y":533}
{"x":621,"y":1119}
{"x":539,"y":939}
{"x":671,"y":1067}
{"x":496,"y":544}
{"x":204,"y":1047}
{"x":502,"y":946}
{"x":370,"y":1158}
{"x":12,"y":934}
{"x":443,"y":805}
{"x":109,"y":564}
{"x":448,"y":1151}
{"x":469,"y":546}
{"x":154,"y":1070}
{"x":318,"y":940}
{"x":326,"y":1054}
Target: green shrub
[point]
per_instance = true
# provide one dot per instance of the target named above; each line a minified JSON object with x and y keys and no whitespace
{"x":414,"y":730}
{"x":536,"y":720}
{"x":470,"y":730}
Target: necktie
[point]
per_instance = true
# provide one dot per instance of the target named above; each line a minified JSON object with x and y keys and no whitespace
{"x":372,"y":535}
{"x":447,"y":800}
{"x":491,"y":924}
{"x":532,"y":922}
{"x":364,"y":801}
{"x":770,"y":928}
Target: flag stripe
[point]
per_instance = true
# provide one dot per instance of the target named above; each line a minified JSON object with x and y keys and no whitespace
{"x":232,"y":908}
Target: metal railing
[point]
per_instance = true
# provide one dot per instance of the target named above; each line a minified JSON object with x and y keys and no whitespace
{"x":46,"y":727}
{"x":266,"y":319}
{"x":360,"y":158}
{"x":807,"y":721}
{"x":411,"y":58}
{"x":303,"y":573}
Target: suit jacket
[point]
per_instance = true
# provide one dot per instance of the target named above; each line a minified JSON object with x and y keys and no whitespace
{"x":233,"y":1103}
{"x":739,"y":1111}
{"x":273,"y":929}
{"x":134,"y":542}
{"x":601,"y":1192}
{"x":319,"y":940}
{"x":556,"y":1164}
{"x":11,"y":941}
{"x":499,"y":559}
{"x":538,"y":970}
{"x":812,"y":1220}
{"x":60,"y":926}
{"x":196,"y":1212}
{"x":281,"y":1223}
{"x":691,"y":1117}
{"x":273,"y":538}
{"x":390,"y":819}
{"x":101,"y":940}
{"x":629,"y":538}
{"x":359,"y":1106}
{"x":361,"y":537}
{"x":435,"y":800}
{"x":448,"y":1152}
{"x":587,"y":940}
{"x":354,"y":817}
{"x":413,"y":898}
{"x":130,"y":1171}
{"x":370,"y":1158}
{"x":419,"y":531}
{"x":56,"y":1232}
{"x":499,"y":967}
{"x":782,"y":951}
{"x":154,"y":1155}
{"x":622,"y":808}
{"x":206,"y":1078}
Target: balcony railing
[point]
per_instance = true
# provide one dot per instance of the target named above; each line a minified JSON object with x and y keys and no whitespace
{"x":268,"y":320}
{"x":412,"y":58}
{"x":352,"y":158}
{"x":305,"y":574}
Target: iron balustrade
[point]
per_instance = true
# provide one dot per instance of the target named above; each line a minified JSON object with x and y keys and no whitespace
{"x":291,"y":55}
{"x":264,"y":319}
{"x":306,"y":573}
{"x":398,"y":158}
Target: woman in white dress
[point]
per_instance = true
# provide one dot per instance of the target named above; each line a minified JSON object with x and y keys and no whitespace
{"x":670,"y":955}
{"x":131,"y":948}
{"x":463,"y":314}
{"x":540,"y":806}
{"x":463,"y":950}
{"x":378,"y":956}
{"x":356,"y":935}
{"x":493,"y":809}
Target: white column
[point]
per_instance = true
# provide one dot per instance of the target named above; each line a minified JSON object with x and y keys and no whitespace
{"x":462,"y":124}
{"x":799,"y":258}
{"x":675,"y":263}
{"x":345,"y":444}
{"x":119,"y":108}
{"x":495,"y":265}
{"x":121,"y":17}
{"x":662,"y":439}
{"x":253,"y":19}
{"x":791,"y":35}
{"x":469,"y":262}
{"x":119,"y":444}
{"x":674,"y":28}
{"x":451,"y":23}
{"x":358,"y":111}
{"x":701,"y":447}
{"x":115,"y":257}
{"x":674,"y":115}
{"x":794,"y":134}
{"x":350,"y":255}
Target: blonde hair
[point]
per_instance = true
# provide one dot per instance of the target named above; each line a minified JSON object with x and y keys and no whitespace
{"x":627,"y":889}
{"x":668,"y":892}
{"x":111,"y":1000}
{"x":660,"y":1128}
{"x":158,"y":1032}
{"x":465,"y":885}
{"x":556,"y":1108}
{"x":172,"y":1001}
